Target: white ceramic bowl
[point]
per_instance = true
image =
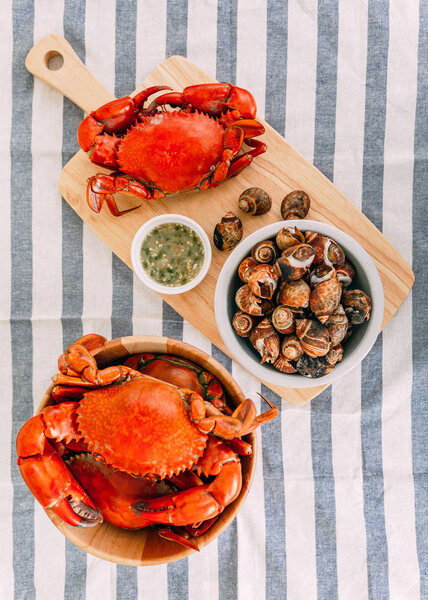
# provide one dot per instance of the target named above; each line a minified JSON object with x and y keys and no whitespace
{"x":363,"y":336}
{"x":136,"y":248}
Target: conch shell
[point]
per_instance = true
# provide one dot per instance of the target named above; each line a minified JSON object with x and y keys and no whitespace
{"x":245,"y":268}
{"x":337,"y":325}
{"x":312,"y":367}
{"x":252,"y":304}
{"x":289,"y":236}
{"x":294,"y":294}
{"x":284,"y":365}
{"x":255,"y":201}
{"x":264,"y":252}
{"x":266,"y":341}
{"x":263,"y":281}
{"x":295,"y":205}
{"x":228,"y":232}
{"x":291,"y":347}
{"x":357,"y":306}
{"x":325,"y":298}
{"x":295,"y":261}
{"x":243,"y":323}
{"x":313,"y":336}
{"x":283,"y":320}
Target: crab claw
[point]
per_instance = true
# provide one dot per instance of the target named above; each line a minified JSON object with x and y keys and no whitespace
{"x":48,"y":478}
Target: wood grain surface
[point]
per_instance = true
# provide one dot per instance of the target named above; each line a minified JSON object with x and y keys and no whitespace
{"x":279,"y":171}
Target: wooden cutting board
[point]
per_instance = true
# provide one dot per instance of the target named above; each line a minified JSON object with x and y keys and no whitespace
{"x":279,"y":171}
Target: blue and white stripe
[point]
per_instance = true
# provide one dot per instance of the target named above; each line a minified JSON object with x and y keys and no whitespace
{"x":338,"y":507}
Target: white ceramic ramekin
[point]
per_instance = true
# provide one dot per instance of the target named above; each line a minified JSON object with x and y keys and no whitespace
{"x":136,"y":248}
{"x":363,"y":336}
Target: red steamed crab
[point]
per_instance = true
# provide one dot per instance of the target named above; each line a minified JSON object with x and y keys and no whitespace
{"x":134,"y":450}
{"x":156,"y":153}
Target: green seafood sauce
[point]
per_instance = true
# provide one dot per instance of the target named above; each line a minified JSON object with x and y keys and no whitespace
{"x":172,"y":254}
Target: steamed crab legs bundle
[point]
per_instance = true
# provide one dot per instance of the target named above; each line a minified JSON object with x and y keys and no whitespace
{"x":155,"y":153}
{"x":127,"y":447}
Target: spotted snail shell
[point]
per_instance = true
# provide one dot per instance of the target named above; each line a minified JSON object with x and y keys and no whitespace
{"x":228,"y":232}
{"x":313,"y":336}
{"x":252,"y":304}
{"x":243,"y":323}
{"x":283,"y":320}
{"x":255,"y":201}
{"x":337,"y":325}
{"x":357,"y":306}
{"x":266,"y":341}
{"x":294,"y":294}
{"x":295,"y":205}
{"x":263,"y":281}
{"x":325,"y":298}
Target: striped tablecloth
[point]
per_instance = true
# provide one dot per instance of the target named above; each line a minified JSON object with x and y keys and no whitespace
{"x":338,"y":504}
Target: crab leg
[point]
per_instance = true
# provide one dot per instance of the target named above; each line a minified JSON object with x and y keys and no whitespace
{"x":211,"y":98}
{"x":44,"y":471}
{"x":78,"y":367}
{"x":240,"y":423}
{"x":113,"y":117}
{"x":101,"y":188}
{"x":202,"y":502}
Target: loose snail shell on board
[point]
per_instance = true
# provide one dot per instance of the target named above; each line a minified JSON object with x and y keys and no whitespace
{"x":294,"y":294}
{"x":243,"y":323}
{"x":283,"y":320}
{"x":289,"y":236}
{"x":264,"y":252}
{"x":228,"y":232}
{"x":313,"y":336}
{"x":263,"y":281}
{"x":295,"y":261}
{"x":252,"y":304}
{"x":266,"y":341}
{"x":245,"y":268}
{"x":325,"y":298}
{"x":295,"y":205}
{"x":357,"y":306}
{"x":291,"y":347}
{"x":255,"y":201}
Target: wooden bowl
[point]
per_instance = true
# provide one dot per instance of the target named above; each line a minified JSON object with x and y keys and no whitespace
{"x":144,"y":546}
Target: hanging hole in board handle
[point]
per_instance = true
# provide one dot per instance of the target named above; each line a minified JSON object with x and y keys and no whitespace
{"x":54,"y":60}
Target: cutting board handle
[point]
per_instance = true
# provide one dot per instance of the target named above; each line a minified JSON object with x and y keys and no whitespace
{"x":72,"y":78}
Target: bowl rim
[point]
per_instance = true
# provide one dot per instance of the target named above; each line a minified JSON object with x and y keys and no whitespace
{"x":142,"y":233}
{"x":90,"y":539}
{"x":296,"y":380}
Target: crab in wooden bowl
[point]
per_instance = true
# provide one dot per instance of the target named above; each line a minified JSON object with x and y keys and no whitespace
{"x":137,"y":450}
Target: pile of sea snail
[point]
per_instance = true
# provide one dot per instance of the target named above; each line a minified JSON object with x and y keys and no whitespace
{"x":295,"y":306}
